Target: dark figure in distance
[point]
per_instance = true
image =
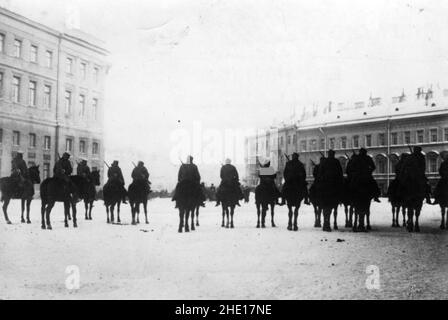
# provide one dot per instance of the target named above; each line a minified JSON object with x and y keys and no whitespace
{"x":229,"y":175}
{"x":114,"y":173}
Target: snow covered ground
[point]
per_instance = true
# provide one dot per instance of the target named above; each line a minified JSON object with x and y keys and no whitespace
{"x":156,"y":262}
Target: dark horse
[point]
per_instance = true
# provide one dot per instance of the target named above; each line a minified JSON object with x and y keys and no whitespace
{"x":293,"y":193}
{"x":361,"y":199}
{"x":441,"y":196}
{"x":10,"y":190}
{"x":54,"y":190}
{"x":187,"y":198}
{"x":138,"y":192}
{"x":396,"y":203}
{"x":346,"y":201}
{"x":112,"y":196}
{"x":229,"y":196}
{"x":88,"y":192}
{"x":265,"y":196}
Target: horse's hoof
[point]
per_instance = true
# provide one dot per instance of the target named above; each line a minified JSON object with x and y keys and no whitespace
{"x":222,"y":226}
{"x":66,"y":225}
{"x":23,"y":220}
{"x":28,"y":221}
{"x":258,"y":225}
{"x":43,"y":227}
{"x":227,"y":226}
{"x":273,"y":225}
{"x":346,"y":225}
{"x":147,"y":222}
{"x":289,"y":228}
{"x":335,"y":227}
{"x":417,"y":229}
{"x":192,"y":228}
{"x":135,"y":223}
{"x":442,"y":227}
{"x":180,"y":230}
{"x":354,"y":229}
{"x":119,"y":221}
{"x":187,"y":230}
{"x":49,"y":227}
{"x":296,"y":228}
{"x":326,"y":229}
{"x":108,"y":221}
{"x":197,"y":224}
{"x":369,"y":228}
{"x":8,"y":222}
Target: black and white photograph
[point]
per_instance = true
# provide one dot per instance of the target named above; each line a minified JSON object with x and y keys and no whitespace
{"x":250,"y":151}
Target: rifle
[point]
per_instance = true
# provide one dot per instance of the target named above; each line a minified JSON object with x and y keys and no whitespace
{"x":181,"y":161}
{"x":409,"y":146}
{"x":106,"y":164}
{"x":134,"y":164}
{"x":323,"y":156}
{"x":286,"y":156}
{"x":312,"y":162}
{"x":347,"y":155}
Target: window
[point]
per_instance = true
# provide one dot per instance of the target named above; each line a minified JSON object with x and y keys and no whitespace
{"x":343,"y":142}
{"x":322,"y":144}
{"x":394,"y":138}
{"x":17,"y":48}
{"x":419,"y":136}
{"x":289,"y":139}
{"x":2,"y":42}
{"x":332,"y":143}
{"x":368,"y":140}
{"x":313,"y":144}
{"x":83,"y":69}
{"x":381,"y":164}
{"x":68,"y":102}
{"x":433,"y":135}
{"x":46,"y":170}
{"x":47,"y":97}
{"x":294,"y":139}
{"x":32,"y":93}
{"x":32,"y":143}
{"x":16,"y":138}
{"x":381,"y":139}
{"x":48,"y":59}
{"x":82,"y":105}
{"x":432,"y":163}
{"x":16,"y":89}
{"x":95,"y":113}
{"x":33,"y":54}
{"x":1,"y":84}
{"x":82,"y":146}
{"x":355,"y":141}
{"x":303,"y":145}
{"x":95,"y":148}
{"x":445,"y":134}
{"x":69,"y":65}
{"x":407,"y":137}
{"x":1,"y":135}
{"x":68,"y":145}
{"x":96,"y":72}
{"x":47,"y":143}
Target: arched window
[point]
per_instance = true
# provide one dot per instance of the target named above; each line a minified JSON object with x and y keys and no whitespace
{"x":393,"y":158}
{"x":432,"y":162}
{"x":381,"y":163}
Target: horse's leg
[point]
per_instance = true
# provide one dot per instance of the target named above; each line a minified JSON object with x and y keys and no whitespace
{"x":355,"y":223}
{"x":232,"y":211}
{"x":42,"y":212}
{"x":223,"y":214}
{"x":264,"y":209}
{"x":403,"y":213}
{"x":346,"y":215}
{"x":296,"y":214}
{"x":145,"y":208}
{"x":394,"y":223}
{"x":320,"y":213}
{"x":22,"y":207}
{"x":133,"y":213}
{"x":410,"y":223}
{"x":187,"y":215}
{"x":197,"y":216}
{"x":417,"y":215}
{"x":112,"y":209}
{"x":227,"y":217}
{"x":335,"y":218}
{"x":368,"y":227}
{"x":315,"y":215}
{"x":28,"y":208}
{"x":192,"y":219}
{"x":351,"y":212}
{"x":50,"y":206}
{"x":272,"y":216}
{"x":258,"y":215}
{"x":5,"y":210}
{"x":137,"y":212}
{"x":66,"y":213}
{"x":446,"y":212}
{"x":107,"y":212}
{"x":289,"y":217}
{"x":118,"y":211}
{"x":75,"y":218}
{"x":442,"y":210}
{"x":90,"y":209}
{"x":181,"y":219}
{"x":327,"y":214}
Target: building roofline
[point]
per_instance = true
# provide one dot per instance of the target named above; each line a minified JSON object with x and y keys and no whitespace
{"x":54,"y":32}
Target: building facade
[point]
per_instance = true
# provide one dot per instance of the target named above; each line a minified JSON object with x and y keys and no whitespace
{"x":51,"y":94}
{"x":386,"y":130}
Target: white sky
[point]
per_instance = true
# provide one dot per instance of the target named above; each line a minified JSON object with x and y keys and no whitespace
{"x":241,"y":63}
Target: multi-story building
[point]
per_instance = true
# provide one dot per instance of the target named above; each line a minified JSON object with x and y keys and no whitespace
{"x":51,"y":94}
{"x":385,"y":129}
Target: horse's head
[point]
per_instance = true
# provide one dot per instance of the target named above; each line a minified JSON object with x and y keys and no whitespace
{"x":95,"y":177}
{"x":34,"y":174}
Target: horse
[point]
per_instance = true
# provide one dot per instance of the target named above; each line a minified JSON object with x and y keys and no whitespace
{"x":229,"y":197}
{"x":361,"y":200}
{"x":187,"y":198}
{"x":265,"y":197}
{"x":88,"y":194}
{"x":54,"y":190}
{"x":246,"y":193}
{"x":314,"y":199}
{"x":10,"y":190}
{"x":346,"y":201}
{"x":441,"y":196}
{"x":112,"y":196}
{"x":138,"y":192}
{"x":396,"y":204}
{"x":293,"y":193}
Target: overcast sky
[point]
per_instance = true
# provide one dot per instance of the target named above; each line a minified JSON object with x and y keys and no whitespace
{"x":243,"y":64}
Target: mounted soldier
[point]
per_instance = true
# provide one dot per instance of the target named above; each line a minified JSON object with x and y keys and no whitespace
{"x":442,"y":184}
{"x":141,"y":174}
{"x":363,"y":166}
{"x":63,"y":170}
{"x":83,"y":169}
{"x":229,"y":179}
{"x":114,"y":174}
{"x":295,"y":175}
{"x":189,"y":174}
{"x":19,"y":170}
{"x":267,"y":176}
{"x":416,"y":164}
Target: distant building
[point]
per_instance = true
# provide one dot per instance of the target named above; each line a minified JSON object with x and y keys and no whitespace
{"x":51,"y":94}
{"x":386,"y":130}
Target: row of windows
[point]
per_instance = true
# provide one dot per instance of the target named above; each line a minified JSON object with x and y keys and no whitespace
{"x":48,"y":62}
{"x":47,"y":90}
{"x":381,"y":140}
{"x":32,"y":142}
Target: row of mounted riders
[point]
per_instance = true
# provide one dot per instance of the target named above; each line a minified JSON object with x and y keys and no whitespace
{"x":70,"y":189}
{"x":329,"y":190}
